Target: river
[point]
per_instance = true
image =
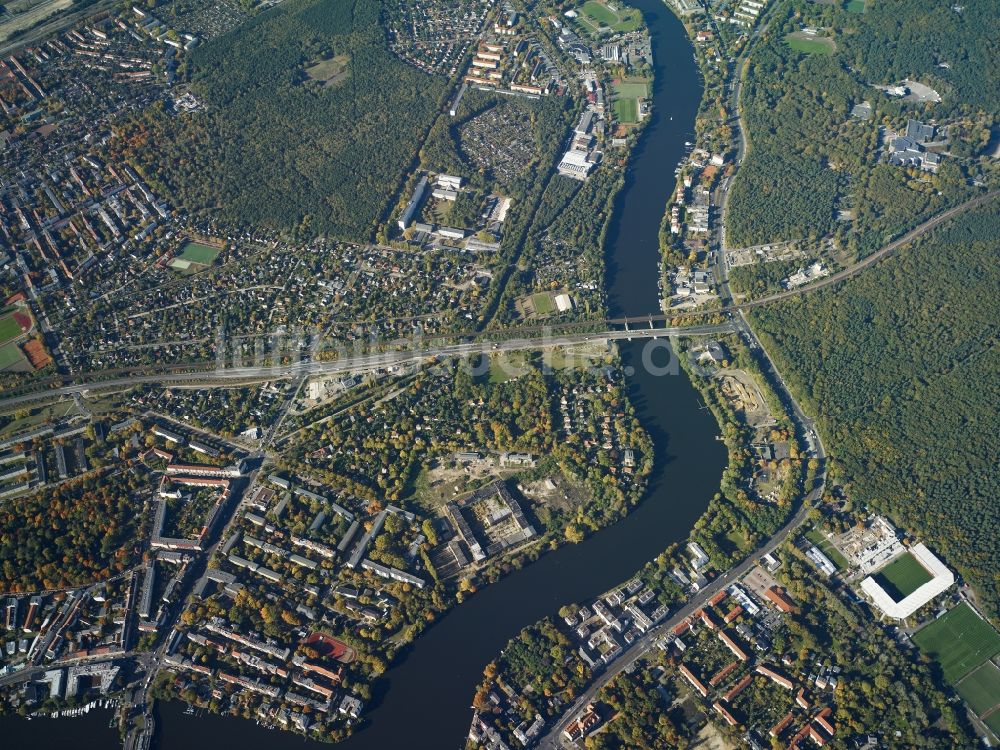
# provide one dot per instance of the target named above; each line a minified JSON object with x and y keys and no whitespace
{"x":423,"y":703}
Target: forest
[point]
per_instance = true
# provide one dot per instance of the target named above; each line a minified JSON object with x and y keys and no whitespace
{"x":270,"y":150}
{"x":69,"y":535}
{"x":810,"y":159}
{"x":899,"y":367}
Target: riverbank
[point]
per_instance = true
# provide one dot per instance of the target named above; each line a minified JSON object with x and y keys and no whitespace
{"x":425,"y":694}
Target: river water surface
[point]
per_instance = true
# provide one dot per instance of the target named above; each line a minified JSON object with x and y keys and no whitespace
{"x":423,"y":704}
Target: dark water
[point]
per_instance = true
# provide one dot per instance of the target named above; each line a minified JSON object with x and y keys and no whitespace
{"x":424,"y":702}
{"x":88,"y":732}
{"x":633,"y":238}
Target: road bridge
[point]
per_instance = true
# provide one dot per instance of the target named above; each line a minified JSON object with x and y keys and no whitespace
{"x":217,"y":377}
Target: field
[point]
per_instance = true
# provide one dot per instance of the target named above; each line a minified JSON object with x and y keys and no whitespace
{"x":543,"y":303}
{"x":855,"y":6}
{"x":810,"y":45}
{"x":9,"y":329}
{"x":195,"y":252}
{"x":636,"y":89}
{"x":959,"y":641}
{"x":329,"y":72}
{"x":627,"y":111}
{"x":622,"y":19}
{"x":981,"y":689}
{"x":10,"y":355}
{"x":628,"y":92}
{"x":816,"y":537}
{"x":506,"y":366}
{"x":993,"y":722}
{"x":569,"y":357}
{"x":902,"y":576}
{"x":12,"y":326}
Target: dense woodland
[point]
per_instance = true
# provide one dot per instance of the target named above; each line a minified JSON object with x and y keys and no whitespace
{"x":899,"y":365}
{"x":69,"y":535}
{"x":809,"y":158}
{"x":274,"y":149}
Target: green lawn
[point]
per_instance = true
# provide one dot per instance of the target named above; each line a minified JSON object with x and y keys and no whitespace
{"x":623,"y":19}
{"x":195,"y":252}
{"x":506,"y":366}
{"x":9,"y":329}
{"x":902,"y":576}
{"x":810,"y":45}
{"x":543,"y":303}
{"x":981,"y":689}
{"x":329,"y":72}
{"x":816,"y":537}
{"x":959,"y":641}
{"x":10,"y":354}
{"x":627,"y":111}
{"x":993,"y":722}
{"x":855,"y":6}
{"x":632,"y":89}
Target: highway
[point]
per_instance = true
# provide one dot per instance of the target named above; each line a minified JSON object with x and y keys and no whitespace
{"x":480,"y":343}
{"x":57,"y":22}
{"x":227,"y":376}
{"x":614,"y":329}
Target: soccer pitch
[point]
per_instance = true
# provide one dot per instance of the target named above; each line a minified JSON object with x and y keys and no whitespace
{"x":195,"y":252}
{"x":627,"y":111}
{"x":959,"y":641}
{"x":9,"y":328}
{"x":902,"y":576}
{"x":981,"y":689}
{"x":632,"y":90}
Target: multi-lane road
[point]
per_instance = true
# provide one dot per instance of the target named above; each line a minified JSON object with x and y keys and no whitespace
{"x":222,"y":376}
{"x":482,"y":343}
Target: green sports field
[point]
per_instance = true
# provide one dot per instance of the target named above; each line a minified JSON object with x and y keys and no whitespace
{"x":981,"y":689}
{"x":195,"y":252}
{"x":627,"y":111}
{"x":993,"y":722}
{"x":622,"y":19}
{"x":543,"y":303}
{"x":810,"y":45}
{"x":816,"y":537}
{"x":10,"y":354}
{"x":632,"y":89}
{"x":902,"y":576}
{"x":959,"y":641}
{"x":9,"y":328}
